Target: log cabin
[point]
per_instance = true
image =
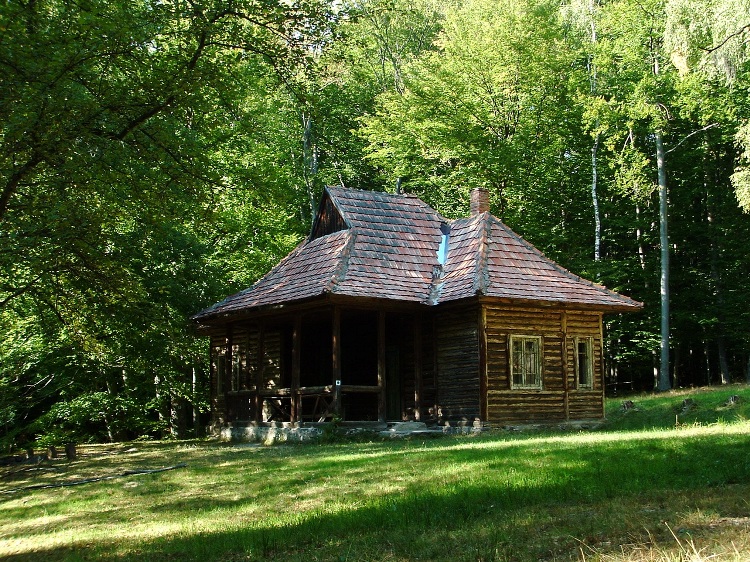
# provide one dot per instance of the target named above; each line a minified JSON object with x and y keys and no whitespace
{"x":390,"y":312}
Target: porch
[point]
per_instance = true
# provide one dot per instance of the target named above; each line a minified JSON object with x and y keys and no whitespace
{"x":321,"y":364}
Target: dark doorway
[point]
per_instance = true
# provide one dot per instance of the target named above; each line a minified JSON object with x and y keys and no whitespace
{"x":393,"y":384}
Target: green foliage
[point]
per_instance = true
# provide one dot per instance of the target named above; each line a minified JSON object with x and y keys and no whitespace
{"x":120,"y":210}
{"x":741,"y":175}
{"x":476,"y":112}
{"x":155,"y":157}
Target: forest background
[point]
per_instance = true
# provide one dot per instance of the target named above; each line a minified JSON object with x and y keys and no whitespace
{"x":158,"y":155}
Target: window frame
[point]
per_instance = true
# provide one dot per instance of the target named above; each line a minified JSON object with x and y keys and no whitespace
{"x":539,"y":343}
{"x":589,"y":342}
{"x":221,"y":371}
{"x":238,"y":375}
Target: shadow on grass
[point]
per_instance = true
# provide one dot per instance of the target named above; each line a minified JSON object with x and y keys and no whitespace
{"x":489,"y":509}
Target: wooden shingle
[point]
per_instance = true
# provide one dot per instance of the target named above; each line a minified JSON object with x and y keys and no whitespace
{"x":385,"y":246}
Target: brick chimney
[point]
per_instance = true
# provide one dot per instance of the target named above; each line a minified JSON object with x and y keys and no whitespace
{"x":480,"y":201}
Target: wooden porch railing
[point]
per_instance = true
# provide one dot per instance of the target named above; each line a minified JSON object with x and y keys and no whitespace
{"x":327,"y":402}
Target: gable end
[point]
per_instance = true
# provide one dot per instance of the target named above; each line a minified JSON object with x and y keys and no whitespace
{"x":328,"y":220}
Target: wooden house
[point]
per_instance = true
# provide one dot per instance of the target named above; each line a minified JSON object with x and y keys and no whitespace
{"x":390,"y":312}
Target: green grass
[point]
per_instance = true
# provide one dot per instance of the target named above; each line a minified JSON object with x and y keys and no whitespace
{"x":665,"y":410}
{"x":672,"y":493}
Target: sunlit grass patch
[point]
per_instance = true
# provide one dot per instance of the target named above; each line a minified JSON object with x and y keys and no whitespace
{"x":682,"y":407}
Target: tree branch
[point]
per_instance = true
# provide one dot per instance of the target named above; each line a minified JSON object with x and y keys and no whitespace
{"x":11,"y":186}
{"x":19,"y":291}
{"x":706,"y":128}
{"x":728,"y":38}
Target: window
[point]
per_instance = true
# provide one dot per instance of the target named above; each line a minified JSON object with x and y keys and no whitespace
{"x":584,"y":362}
{"x":221,"y":371}
{"x":239,"y":355}
{"x":525,"y":363}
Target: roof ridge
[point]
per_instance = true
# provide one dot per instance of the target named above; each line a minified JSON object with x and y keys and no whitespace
{"x":482,"y":280}
{"x":340,"y":272}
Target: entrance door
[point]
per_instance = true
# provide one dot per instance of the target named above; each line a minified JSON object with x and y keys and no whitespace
{"x":393,"y":405}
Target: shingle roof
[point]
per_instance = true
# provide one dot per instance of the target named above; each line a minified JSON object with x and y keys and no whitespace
{"x":488,"y":258}
{"x":389,"y":250}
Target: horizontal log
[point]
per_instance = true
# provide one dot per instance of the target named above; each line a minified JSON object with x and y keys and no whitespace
{"x":498,"y":398}
{"x":275,"y":392}
{"x":241,"y":393}
{"x":511,"y":312}
{"x":536,"y":405}
{"x":498,"y":418}
{"x":520,"y":394}
{"x":373,"y":389}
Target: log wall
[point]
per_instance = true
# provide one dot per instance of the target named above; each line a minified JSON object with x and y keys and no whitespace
{"x":585,"y":403}
{"x":559,"y":398}
{"x":457,"y":363}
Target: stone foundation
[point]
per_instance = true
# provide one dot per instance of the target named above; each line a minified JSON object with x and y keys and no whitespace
{"x":270,"y":433}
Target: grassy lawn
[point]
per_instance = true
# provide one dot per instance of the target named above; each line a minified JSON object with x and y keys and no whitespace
{"x":671,"y":491}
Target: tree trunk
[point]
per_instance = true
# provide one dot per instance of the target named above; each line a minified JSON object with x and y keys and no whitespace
{"x":309,"y":159}
{"x":595,"y":201}
{"x":664,"y":383}
{"x":707,"y":353}
{"x":723,"y":363}
{"x":162,"y":407}
{"x":193,"y":404}
{"x":639,"y":239}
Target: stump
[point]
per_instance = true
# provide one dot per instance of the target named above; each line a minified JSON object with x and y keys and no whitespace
{"x":688,"y":404}
{"x":70,"y":451}
{"x":733,"y":400}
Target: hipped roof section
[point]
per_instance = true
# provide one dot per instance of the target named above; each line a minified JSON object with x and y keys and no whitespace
{"x":385,"y":246}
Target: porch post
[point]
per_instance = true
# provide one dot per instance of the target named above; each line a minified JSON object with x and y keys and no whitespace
{"x":483,"y":395}
{"x":336,"y":357}
{"x":296,"y":350}
{"x":226,"y":383}
{"x":381,"y":365}
{"x":417,"y":367}
{"x":566,"y":380}
{"x":259,"y":374}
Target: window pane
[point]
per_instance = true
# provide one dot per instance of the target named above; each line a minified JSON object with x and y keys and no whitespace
{"x":221,"y":364}
{"x":517,"y":362}
{"x":584,"y":363}
{"x":526,"y":362}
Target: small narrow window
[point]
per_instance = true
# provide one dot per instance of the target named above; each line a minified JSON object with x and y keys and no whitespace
{"x":221,"y":371}
{"x":584,"y":362}
{"x":442,"y":254}
{"x":239,"y":364}
{"x":525,"y":362}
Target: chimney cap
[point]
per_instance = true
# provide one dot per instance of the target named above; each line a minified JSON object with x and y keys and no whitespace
{"x":480,"y":201}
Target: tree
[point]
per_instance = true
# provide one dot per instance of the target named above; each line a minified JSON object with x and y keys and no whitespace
{"x":711,"y":38}
{"x":116,"y":154}
{"x":479,"y":109}
{"x":632,"y":52}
